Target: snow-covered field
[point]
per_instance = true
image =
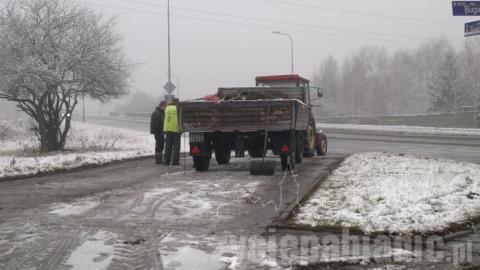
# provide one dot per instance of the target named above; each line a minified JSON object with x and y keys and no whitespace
{"x":408,"y":130}
{"x":378,"y":192}
{"x":86,"y":145}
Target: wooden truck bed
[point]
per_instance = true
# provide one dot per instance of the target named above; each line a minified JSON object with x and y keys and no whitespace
{"x":243,"y":115}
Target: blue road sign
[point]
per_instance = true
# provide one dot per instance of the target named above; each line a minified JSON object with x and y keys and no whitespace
{"x":472,"y":29}
{"x":466,"y":8}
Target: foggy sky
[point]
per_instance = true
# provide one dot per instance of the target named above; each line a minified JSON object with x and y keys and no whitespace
{"x":210,"y":54}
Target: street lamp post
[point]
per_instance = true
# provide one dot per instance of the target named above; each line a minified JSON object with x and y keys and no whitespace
{"x":291,"y":42}
{"x":169,"y":57}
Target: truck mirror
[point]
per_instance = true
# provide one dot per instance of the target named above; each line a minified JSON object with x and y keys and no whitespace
{"x":320,"y":92}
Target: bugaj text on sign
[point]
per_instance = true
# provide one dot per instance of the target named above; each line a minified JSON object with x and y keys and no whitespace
{"x":466,"y":8}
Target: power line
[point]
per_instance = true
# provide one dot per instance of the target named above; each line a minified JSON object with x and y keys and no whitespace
{"x":277,"y":21}
{"x":360,"y":13}
{"x":252,"y":26}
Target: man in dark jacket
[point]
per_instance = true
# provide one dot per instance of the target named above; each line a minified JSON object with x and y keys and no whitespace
{"x":156,"y":128}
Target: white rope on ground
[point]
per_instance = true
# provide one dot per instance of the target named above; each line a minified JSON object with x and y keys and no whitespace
{"x":184,"y":135}
{"x":294,"y":179}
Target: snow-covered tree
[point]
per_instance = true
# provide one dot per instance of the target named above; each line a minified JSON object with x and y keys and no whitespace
{"x":328,"y":78}
{"x":51,"y":53}
{"x":443,"y":83}
{"x":470,"y":72}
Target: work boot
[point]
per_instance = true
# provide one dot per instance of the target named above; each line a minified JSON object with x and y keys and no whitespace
{"x":166,"y":162}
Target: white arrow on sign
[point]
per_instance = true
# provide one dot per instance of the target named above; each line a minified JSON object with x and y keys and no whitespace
{"x":169,"y":87}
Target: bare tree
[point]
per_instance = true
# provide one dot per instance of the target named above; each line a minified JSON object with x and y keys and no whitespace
{"x":51,"y":53}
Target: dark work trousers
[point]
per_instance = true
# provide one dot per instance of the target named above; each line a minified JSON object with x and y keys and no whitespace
{"x":172,"y":148}
{"x":159,"y":145}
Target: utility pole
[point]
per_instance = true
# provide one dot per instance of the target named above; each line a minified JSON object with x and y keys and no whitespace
{"x":169,"y":87}
{"x":291,"y":43}
{"x":169,"y":57}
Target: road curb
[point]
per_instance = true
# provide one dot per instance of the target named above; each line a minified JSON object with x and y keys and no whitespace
{"x":71,"y":170}
{"x":281,"y":221}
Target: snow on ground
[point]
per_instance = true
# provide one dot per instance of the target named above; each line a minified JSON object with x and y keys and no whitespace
{"x":412,"y":130}
{"x":95,"y":253}
{"x":87,"y":144}
{"x":379,"y":192}
{"x":76,"y":208}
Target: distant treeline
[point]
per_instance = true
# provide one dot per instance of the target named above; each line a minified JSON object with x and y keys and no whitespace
{"x":435,"y":77}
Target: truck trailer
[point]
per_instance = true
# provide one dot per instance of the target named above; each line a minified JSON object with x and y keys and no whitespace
{"x":274,"y":115}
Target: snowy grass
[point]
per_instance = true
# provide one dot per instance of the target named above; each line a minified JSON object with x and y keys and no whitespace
{"x":86,"y":145}
{"x":379,"y":192}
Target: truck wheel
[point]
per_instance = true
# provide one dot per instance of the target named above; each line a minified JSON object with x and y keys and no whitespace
{"x":309,"y":143}
{"x":323,"y":147}
{"x":299,"y":147}
{"x":201,"y":163}
{"x":255,"y":149}
{"x":223,"y":154}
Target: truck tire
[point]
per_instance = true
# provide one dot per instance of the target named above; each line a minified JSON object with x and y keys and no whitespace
{"x":309,"y":143}
{"x":201,"y":163}
{"x":223,"y":154}
{"x":223,"y":148}
{"x":299,"y":147}
{"x":256,"y":147}
{"x":322,"y":147}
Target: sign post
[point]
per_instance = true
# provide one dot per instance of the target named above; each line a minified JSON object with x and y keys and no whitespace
{"x":169,"y":87}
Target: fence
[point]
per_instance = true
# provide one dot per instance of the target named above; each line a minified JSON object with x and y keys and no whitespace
{"x":448,"y":120}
